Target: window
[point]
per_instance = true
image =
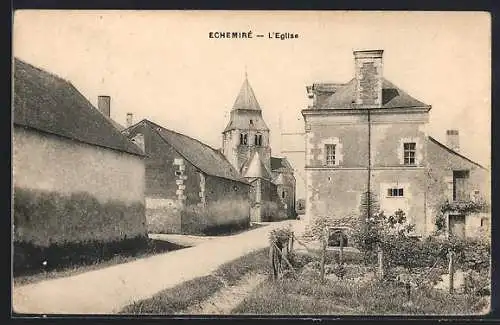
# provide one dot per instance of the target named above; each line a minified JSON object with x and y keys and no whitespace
{"x":258,"y":139}
{"x":251,"y":122}
{"x":243,"y":138}
{"x":484,"y":222}
{"x":395,"y":192}
{"x":283,"y":194}
{"x":409,"y":151}
{"x":330,"y":154}
{"x":460,"y":180}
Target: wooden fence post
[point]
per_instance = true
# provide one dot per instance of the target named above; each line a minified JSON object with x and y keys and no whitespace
{"x":341,"y":253}
{"x":291,"y":243}
{"x":380,"y":260}
{"x":451,"y":270}
{"x":324,"y":241}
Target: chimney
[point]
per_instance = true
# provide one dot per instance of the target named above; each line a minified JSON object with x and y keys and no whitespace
{"x":452,"y":140}
{"x":368,"y":73}
{"x":130,"y":119}
{"x":103,"y":104}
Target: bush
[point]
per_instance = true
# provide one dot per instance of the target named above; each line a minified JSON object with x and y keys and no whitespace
{"x":215,"y":218}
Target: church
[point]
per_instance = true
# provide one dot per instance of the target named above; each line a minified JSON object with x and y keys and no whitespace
{"x":246,"y":145}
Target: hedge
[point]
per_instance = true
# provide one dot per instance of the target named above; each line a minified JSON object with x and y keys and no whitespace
{"x":44,"y":218}
{"x":72,"y":229}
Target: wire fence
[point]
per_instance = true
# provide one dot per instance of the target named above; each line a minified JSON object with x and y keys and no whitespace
{"x":280,"y":259}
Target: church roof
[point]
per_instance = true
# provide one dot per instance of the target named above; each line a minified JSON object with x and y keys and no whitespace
{"x":255,"y":168}
{"x":278,"y":180}
{"x":246,"y":113}
{"x":392,"y":96}
{"x":246,"y":120}
{"x":278,"y":163}
{"x":246,"y":98}
{"x":51,"y":104}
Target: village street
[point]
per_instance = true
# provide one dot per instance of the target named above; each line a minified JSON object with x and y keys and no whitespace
{"x":108,"y":290}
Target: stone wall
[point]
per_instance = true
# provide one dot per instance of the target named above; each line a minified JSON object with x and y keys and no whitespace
{"x":337,"y":190}
{"x":442,"y":163}
{"x":70,"y":192}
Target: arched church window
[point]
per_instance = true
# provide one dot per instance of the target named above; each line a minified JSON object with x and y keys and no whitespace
{"x":243,"y":138}
{"x":258,"y":139}
{"x":283,"y":194}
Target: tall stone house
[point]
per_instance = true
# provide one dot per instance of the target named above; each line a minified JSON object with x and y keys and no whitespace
{"x":245,"y":144}
{"x":369,"y":134}
{"x":190,"y":187}
{"x":77,"y":180}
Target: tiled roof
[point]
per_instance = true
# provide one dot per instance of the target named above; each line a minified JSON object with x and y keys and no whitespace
{"x":392,"y":97}
{"x":277,"y":163}
{"x":202,"y":156}
{"x":246,"y":120}
{"x":254,"y":168}
{"x":48,"y":103}
{"x":246,"y":98}
{"x":454,"y":152}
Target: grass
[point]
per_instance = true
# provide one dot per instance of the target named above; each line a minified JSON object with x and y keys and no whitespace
{"x":307,"y":296}
{"x":176,"y":299}
{"x":153,"y":247}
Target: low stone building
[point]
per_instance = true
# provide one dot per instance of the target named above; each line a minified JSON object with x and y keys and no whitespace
{"x":370,"y":135}
{"x":190,"y":187}
{"x":76,"y":179}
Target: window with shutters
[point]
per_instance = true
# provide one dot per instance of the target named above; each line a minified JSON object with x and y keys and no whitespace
{"x":460,"y":180}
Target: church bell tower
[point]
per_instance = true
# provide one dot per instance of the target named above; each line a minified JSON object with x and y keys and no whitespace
{"x":246,"y":131}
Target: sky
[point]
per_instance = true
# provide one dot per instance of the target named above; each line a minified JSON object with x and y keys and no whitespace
{"x":162,"y":65}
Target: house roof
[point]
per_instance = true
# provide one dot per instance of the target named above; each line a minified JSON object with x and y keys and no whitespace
{"x":392,"y":96}
{"x":205,"y":158}
{"x":48,"y":103}
{"x":454,"y":152}
{"x":246,"y":97}
{"x":254,"y":168}
{"x":116,"y":124}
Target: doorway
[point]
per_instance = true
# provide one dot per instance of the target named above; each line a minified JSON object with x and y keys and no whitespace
{"x":457,"y":225}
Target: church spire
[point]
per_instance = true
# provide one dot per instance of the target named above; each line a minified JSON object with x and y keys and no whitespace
{"x":246,"y":98}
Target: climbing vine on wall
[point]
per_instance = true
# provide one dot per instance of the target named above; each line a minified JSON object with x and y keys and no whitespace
{"x":465,"y":207}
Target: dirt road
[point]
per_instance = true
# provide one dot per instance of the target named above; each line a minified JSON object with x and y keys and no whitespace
{"x":108,"y":290}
